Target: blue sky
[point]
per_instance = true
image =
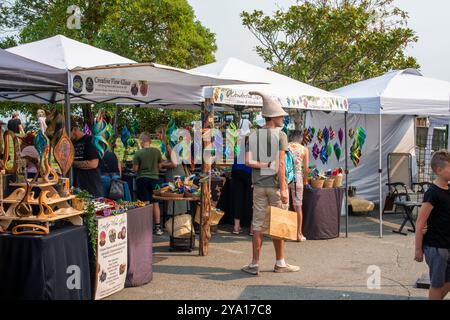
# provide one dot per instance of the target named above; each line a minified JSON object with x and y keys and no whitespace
{"x":430,"y":19}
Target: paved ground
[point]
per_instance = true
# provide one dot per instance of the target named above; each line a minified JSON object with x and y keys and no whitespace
{"x":330,"y":269}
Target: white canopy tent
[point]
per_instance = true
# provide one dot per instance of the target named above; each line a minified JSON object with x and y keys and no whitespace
{"x":289,"y":92}
{"x":404,"y":92}
{"x":99,"y":76}
{"x":292,"y":94}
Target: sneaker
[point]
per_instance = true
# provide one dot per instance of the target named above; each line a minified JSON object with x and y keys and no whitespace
{"x":287,"y":268}
{"x":158,"y":231}
{"x":251,"y":270}
{"x":302,"y":239}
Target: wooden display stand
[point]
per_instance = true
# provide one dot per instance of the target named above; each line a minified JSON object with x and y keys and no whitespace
{"x":52,"y":207}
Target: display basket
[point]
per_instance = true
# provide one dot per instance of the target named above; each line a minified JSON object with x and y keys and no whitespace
{"x":338,"y":181}
{"x":157,"y":192}
{"x":317,"y":183}
{"x":328,"y":183}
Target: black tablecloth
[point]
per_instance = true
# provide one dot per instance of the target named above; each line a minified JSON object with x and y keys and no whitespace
{"x":35,"y":267}
{"x":321,"y":213}
{"x":140,"y":246}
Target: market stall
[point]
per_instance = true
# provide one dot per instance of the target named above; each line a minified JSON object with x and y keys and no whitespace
{"x":124,"y":82}
{"x":397,"y":93}
{"x":293,"y":95}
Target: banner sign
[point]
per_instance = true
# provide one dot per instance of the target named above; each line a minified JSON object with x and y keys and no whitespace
{"x":241,"y":97}
{"x":105,"y":86}
{"x":112,"y":255}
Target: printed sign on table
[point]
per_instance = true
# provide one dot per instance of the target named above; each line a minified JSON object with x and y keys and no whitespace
{"x":112,"y":255}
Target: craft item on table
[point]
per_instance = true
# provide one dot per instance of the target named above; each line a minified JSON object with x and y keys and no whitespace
{"x":361,"y":136}
{"x":315,"y":151}
{"x":306,"y":137}
{"x":110,"y":134}
{"x":99,"y":135}
{"x":232,"y":144}
{"x":131,"y":143}
{"x":319,"y":136}
{"x":335,"y":172}
{"x":171,"y":127}
{"x":313,"y":132}
{"x":358,"y":143}
{"x":341,"y":136}
{"x":42,"y":146}
{"x":332,"y":134}
{"x":125,"y":135}
{"x":134,"y":126}
{"x":351,"y":133}
{"x":337,"y":151}
{"x":23,"y":209}
{"x":64,"y":153}
{"x":324,"y":155}
{"x":329,"y":149}
{"x":313,"y":172}
{"x":326,"y":135}
{"x":4,"y":163}
{"x":286,"y":124}
{"x":86,"y":130}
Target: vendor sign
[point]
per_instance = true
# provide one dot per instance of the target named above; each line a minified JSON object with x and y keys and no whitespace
{"x":96,"y":85}
{"x":232,"y":96}
{"x":112,"y":256}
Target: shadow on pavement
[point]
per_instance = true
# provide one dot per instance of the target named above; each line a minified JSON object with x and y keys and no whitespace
{"x":268,"y":292}
{"x":207,"y":273}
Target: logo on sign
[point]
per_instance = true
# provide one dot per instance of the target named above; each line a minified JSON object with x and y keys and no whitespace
{"x":77,"y":84}
{"x":89,"y":84}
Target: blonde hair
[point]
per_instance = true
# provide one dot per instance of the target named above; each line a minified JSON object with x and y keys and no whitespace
{"x":440,"y":159}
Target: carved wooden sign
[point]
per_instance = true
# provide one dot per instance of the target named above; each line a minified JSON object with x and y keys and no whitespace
{"x":64,"y":153}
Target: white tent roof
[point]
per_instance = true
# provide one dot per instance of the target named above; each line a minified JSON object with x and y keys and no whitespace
{"x":99,"y":76}
{"x":404,"y":92}
{"x":291,"y":93}
{"x":64,"y":53}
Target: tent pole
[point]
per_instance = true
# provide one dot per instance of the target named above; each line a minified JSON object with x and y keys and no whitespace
{"x":448,"y":126}
{"x":346,"y":176}
{"x":380,"y":170}
{"x":68,"y":125}
{"x":116,"y":124}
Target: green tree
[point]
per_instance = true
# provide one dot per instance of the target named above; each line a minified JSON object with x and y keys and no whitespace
{"x":330,"y":44}
{"x":161,"y":31}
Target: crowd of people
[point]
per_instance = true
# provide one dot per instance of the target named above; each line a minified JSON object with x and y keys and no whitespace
{"x":256,"y":184}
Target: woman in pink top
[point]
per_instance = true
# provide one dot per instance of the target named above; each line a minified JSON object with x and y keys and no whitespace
{"x":301,"y":160}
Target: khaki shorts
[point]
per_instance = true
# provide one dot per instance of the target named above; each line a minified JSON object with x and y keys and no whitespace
{"x":262,"y":199}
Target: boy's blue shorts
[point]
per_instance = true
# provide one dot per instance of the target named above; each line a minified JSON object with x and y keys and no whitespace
{"x":438,"y":260}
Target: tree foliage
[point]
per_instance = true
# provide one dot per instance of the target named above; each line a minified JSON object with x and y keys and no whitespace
{"x":161,"y":31}
{"x":330,"y":44}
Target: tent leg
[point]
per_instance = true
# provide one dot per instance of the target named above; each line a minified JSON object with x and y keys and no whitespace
{"x":346,"y":177}
{"x":380,"y":170}
{"x":68,"y":125}
{"x":116,"y":124}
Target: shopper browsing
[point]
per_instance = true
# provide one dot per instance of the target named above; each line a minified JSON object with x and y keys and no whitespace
{"x":301,"y":162}
{"x":146,"y":163}
{"x":265,"y":154}
{"x":433,"y":227}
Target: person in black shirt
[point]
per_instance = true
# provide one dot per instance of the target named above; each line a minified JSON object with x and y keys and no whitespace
{"x":15,"y":125}
{"x":433,"y":227}
{"x":87,"y":174}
